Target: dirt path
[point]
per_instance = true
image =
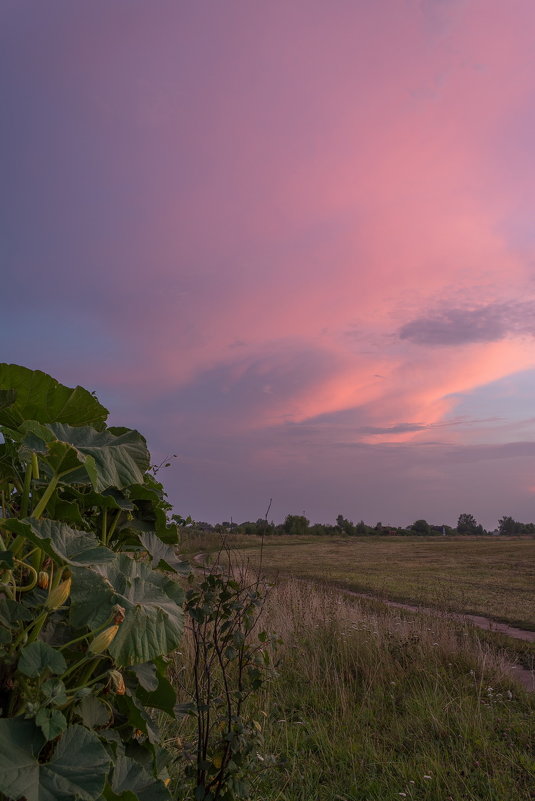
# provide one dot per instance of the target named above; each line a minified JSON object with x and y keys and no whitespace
{"x":518,"y":672}
{"x":463,"y":617}
{"x":521,"y":674}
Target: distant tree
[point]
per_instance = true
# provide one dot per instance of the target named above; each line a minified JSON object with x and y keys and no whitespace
{"x":201,"y":526}
{"x":421,"y":527}
{"x":362,"y":528}
{"x":345,"y":525}
{"x":508,"y":525}
{"x":321,"y":529}
{"x":263,"y":527}
{"x":247,"y":527}
{"x":467,"y":524}
{"x":296,"y":524}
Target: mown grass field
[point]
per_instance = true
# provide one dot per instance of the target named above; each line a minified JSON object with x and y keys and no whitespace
{"x":486,"y":575}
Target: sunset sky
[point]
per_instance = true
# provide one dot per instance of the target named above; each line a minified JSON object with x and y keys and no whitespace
{"x":290,"y":241}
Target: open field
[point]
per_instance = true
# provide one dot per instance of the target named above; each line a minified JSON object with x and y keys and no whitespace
{"x":369,"y":705}
{"x":485,"y":575}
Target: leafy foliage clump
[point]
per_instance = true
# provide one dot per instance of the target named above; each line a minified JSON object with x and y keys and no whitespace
{"x":89,"y":603}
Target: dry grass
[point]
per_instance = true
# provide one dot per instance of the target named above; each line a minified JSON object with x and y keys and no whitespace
{"x":369,"y":702}
{"x":487,"y":575}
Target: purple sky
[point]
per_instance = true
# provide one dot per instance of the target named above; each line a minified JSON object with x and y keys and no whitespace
{"x":291,"y":242}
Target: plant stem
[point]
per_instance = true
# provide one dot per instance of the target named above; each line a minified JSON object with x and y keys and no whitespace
{"x":41,"y":506}
{"x":34,"y":628}
{"x":32,"y":583}
{"x":104,"y":526}
{"x":26,"y":491}
{"x":88,"y":683}
{"x":89,"y":633}
{"x":113,"y":526}
{"x":86,"y":675}
{"x":37,"y":558}
{"x":73,"y":667}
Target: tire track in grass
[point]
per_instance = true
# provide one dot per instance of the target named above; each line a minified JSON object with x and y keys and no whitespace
{"x":519,"y":673}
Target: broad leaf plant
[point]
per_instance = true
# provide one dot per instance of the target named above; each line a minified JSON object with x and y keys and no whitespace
{"x":89,"y":602}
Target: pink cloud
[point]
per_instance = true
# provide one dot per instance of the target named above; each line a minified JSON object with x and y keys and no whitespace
{"x":269,"y":206}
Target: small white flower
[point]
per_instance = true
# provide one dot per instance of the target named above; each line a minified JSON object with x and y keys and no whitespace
{"x":427,"y":777}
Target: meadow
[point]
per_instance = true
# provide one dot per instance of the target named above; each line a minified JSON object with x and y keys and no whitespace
{"x":371,"y":704}
{"x":489,"y":576}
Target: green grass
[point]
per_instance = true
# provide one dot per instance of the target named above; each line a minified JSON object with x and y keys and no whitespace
{"x":369,"y":701}
{"x":345,"y":731}
{"x":486,"y":575}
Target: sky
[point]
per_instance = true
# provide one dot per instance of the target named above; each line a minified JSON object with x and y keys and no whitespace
{"x":292,"y":242}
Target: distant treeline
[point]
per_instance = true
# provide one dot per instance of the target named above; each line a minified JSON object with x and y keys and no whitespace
{"x":299,"y":524}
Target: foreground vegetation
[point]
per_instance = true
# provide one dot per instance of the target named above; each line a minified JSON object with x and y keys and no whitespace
{"x":370,"y":705}
{"x":88,"y":611}
{"x":92,"y":604}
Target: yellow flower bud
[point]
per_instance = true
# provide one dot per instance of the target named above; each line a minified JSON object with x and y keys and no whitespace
{"x":59,"y":595}
{"x":167,"y":782}
{"x":43,"y":579}
{"x":117,"y":682}
{"x":103,"y":640}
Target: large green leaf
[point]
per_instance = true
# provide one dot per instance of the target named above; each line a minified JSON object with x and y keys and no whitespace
{"x":131,"y":782}
{"x":151,"y":506}
{"x":38,"y":656}
{"x":120,"y":460}
{"x":76,"y":772}
{"x":58,"y":457}
{"x":163,"y":556}
{"x":153,"y":621}
{"x":40,"y":397}
{"x":20,"y":743}
{"x":77,"y":769}
{"x":93,"y":711}
{"x":13,"y":612}
{"x":62,"y":542}
{"x":63,"y":458}
{"x":109,"y":499}
{"x":139,"y":716}
{"x":155,"y":689}
{"x":7,"y":398}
